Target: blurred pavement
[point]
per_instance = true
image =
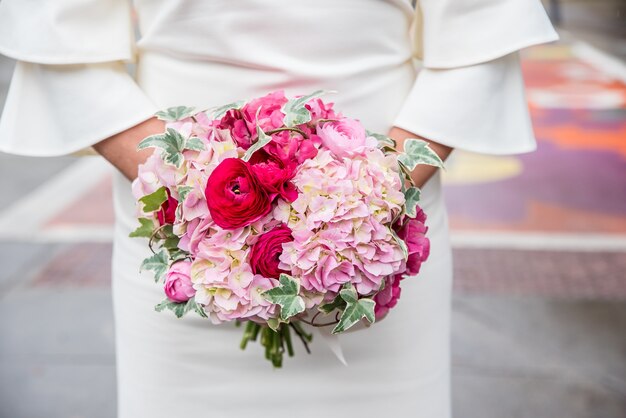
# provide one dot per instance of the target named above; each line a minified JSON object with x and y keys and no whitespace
{"x":539,"y":323}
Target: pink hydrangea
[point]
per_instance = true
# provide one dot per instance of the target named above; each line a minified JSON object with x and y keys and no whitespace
{"x":338,"y":222}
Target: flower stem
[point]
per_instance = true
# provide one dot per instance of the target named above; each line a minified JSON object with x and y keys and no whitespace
{"x":304,"y":337}
{"x":287,"y":337}
{"x":285,"y":128}
{"x":247,"y":334}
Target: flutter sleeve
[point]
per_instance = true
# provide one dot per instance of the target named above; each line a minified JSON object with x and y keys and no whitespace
{"x":70,"y":86}
{"x":469,"y":93}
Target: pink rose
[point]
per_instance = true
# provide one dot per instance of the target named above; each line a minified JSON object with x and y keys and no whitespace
{"x":388,"y":297}
{"x":265,"y":252}
{"x":321,"y":110}
{"x":270,"y":117}
{"x":345,"y":137}
{"x":178,"y":286}
{"x":235,"y":196}
{"x":413,"y":233}
{"x":167,"y":212}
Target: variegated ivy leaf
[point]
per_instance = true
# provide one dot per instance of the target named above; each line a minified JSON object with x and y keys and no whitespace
{"x":180,"y":308}
{"x":154,"y":200}
{"x":263,"y":140}
{"x":175,"y":113}
{"x":195,"y":144}
{"x":158,"y":263}
{"x":295,"y":111}
{"x":383,"y":140}
{"x":199,"y":310}
{"x":274,"y":323}
{"x":175,"y":159}
{"x":220,"y":111}
{"x":183,"y":191}
{"x":286,"y":294}
{"x":337,"y":303}
{"x":145,"y":229}
{"x":411,"y":197}
{"x":355,"y":310}
{"x":171,"y":142}
{"x":162,"y":141}
{"x":417,"y":152}
{"x":401,"y":243}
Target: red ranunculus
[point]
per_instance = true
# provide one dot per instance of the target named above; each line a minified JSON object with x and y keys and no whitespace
{"x":235,"y":196}
{"x":167,"y":213}
{"x":265,"y":252}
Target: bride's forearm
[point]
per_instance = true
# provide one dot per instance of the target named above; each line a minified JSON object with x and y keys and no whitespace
{"x":121,"y":149}
{"x":422,"y":173}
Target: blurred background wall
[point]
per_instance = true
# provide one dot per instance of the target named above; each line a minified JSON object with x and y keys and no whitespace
{"x":539,"y":325}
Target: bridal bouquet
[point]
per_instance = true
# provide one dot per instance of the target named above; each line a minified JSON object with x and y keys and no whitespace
{"x":277,"y":211}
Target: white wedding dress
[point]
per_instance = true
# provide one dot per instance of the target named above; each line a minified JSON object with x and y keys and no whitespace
{"x":71,"y":89}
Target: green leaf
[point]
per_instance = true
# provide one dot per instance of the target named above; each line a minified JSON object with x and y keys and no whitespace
{"x":154,"y":200}
{"x":263,"y":140}
{"x":383,"y":140}
{"x":158,"y":263}
{"x":401,"y":243}
{"x":175,"y":159}
{"x":274,"y":323}
{"x":417,"y":151}
{"x":175,"y":113}
{"x":356,"y":309}
{"x":183,"y":191}
{"x":220,"y":111}
{"x":144,"y":230}
{"x":163,"y":305}
{"x":198,"y":308}
{"x":195,"y":144}
{"x":171,"y":243}
{"x":295,"y":111}
{"x":337,"y":303}
{"x":171,"y":142}
{"x":179,"y":308}
{"x":411,"y":197}
{"x":286,"y":294}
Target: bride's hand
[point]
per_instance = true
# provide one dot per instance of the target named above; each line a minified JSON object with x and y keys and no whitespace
{"x":121,"y":149}
{"x":422,"y":173}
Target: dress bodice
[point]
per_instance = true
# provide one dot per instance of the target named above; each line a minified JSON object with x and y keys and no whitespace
{"x":466,"y":91}
{"x":299,"y":37}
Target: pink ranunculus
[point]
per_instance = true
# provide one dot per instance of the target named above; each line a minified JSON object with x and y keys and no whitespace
{"x":388,"y":297}
{"x":167,"y":212}
{"x":235,"y":196}
{"x":265,"y":252}
{"x":275,"y":175}
{"x":345,"y":137}
{"x":413,"y":233}
{"x":178,"y":287}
